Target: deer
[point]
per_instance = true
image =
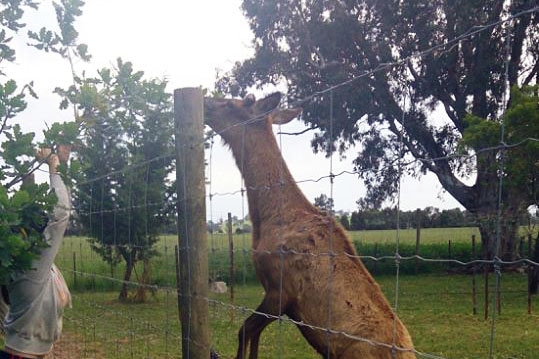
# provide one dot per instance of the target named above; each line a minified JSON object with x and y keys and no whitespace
{"x":303,"y":257}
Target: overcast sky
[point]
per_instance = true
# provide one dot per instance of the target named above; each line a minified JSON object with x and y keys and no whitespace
{"x":186,"y":42}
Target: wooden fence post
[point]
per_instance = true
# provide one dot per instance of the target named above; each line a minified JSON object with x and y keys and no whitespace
{"x":450,"y":254}
{"x":178,"y":279}
{"x":417,"y":238}
{"x":375,"y":266}
{"x":191,"y":207}
{"x":232,"y":269}
{"x":474,"y":273}
{"x":531,"y":271}
{"x":74,"y":270}
{"x":486,"y":292}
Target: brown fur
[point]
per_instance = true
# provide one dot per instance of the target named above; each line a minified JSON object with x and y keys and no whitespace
{"x":291,"y":242}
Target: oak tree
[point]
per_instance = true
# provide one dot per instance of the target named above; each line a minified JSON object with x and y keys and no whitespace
{"x":398,"y":79}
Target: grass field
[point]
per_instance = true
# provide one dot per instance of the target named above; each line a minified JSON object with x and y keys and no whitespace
{"x":436,"y":243}
{"x":435,"y":306}
{"x":437,"y":310}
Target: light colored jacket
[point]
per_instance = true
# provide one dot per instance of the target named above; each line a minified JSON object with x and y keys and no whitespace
{"x":34,"y":321}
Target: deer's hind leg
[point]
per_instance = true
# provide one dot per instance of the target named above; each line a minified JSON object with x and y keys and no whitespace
{"x":273,"y":305}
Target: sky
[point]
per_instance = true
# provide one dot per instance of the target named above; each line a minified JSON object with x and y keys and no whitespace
{"x":188,"y":42}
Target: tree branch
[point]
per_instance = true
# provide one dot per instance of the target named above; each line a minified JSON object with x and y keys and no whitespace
{"x":22,"y":177}
{"x":4,"y":124}
{"x":448,"y":103}
{"x":532,"y":74}
{"x":300,"y":132}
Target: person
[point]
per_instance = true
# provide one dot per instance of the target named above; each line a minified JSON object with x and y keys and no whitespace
{"x":37,"y":297}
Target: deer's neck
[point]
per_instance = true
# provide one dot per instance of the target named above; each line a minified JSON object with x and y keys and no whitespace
{"x":271,"y":189}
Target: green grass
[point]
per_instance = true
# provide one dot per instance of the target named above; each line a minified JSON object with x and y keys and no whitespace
{"x":76,"y":254}
{"x":436,"y":307}
{"x":408,"y":236}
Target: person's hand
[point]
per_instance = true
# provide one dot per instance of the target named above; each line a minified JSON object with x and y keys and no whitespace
{"x":45,"y":154}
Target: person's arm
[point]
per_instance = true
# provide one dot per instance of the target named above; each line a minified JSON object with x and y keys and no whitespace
{"x":59,"y":218}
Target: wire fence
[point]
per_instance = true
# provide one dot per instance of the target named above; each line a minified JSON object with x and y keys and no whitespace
{"x":146,"y":324}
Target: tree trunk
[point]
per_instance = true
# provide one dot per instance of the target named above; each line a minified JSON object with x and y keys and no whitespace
{"x":129,"y":265}
{"x":507,"y":226}
{"x":140,"y":295}
{"x":533,"y":273}
{"x":487,"y":203}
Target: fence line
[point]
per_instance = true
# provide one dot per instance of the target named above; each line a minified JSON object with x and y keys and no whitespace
{"x":330,"y":176}
{"x":241,"y":309}
{"x":397,"y":258}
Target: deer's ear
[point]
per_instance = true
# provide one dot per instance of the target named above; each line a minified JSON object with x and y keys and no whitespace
{"x":249,"y":100}
{"x":268,"y":103}
{"x":284,"y":116}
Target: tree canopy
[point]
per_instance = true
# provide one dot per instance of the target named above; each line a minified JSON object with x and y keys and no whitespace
{"x":23,"y":203}
{"x":324,"y":202}
{"x":126,"y":152}
{"x":399,"y":79}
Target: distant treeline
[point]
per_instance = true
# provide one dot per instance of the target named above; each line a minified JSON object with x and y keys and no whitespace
{"x":360,"y":220}
{"x":387,"y":218}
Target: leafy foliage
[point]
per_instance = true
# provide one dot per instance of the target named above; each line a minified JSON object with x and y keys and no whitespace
{"x":414,"y":109}
{"x":521,"y":130}
{"x":23,"y":205}
{"x":429,"y":217}
{"x":65,"y":43}
{"x":22,"y":215}
{"x":522,"y":127}
{"x":126,"y":153}
{"x":324,"y":203}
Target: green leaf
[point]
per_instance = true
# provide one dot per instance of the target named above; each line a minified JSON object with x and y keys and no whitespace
{"x":82,"y":50}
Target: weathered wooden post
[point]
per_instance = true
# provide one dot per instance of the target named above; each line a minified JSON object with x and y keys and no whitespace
{"x":486,"y":292}
{"x":74,"y":270}
{"x":531,"y":274}
{"x":417,"y":238}
{"x":474,"y":273}
{"x":232,"y":269}
{"x":191,"y":207}
{"x":449,"y":254}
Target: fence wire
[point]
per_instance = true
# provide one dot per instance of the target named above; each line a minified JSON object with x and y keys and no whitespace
{"x":101,"y":327}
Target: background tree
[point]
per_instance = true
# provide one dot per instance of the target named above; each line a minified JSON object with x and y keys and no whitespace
{"x":521,"y":162}
{"x":324,"y":203}
{"x":387,"y":110}
{"x":378,"y":219}
{"x":357,"y":221}
{"x":127,"y":158}
{"x":23,"y":203}
{"x":345,"y":221}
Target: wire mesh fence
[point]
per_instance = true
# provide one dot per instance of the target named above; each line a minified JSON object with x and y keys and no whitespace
{"x":452,"y":297}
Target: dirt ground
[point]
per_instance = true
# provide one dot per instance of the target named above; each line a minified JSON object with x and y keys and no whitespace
{"x":68,"y":347}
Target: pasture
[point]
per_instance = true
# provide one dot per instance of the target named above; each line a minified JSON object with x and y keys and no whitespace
{"x":436,"y":307}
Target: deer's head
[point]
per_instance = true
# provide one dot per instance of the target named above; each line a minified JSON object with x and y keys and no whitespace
{"x":226,"y":114}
